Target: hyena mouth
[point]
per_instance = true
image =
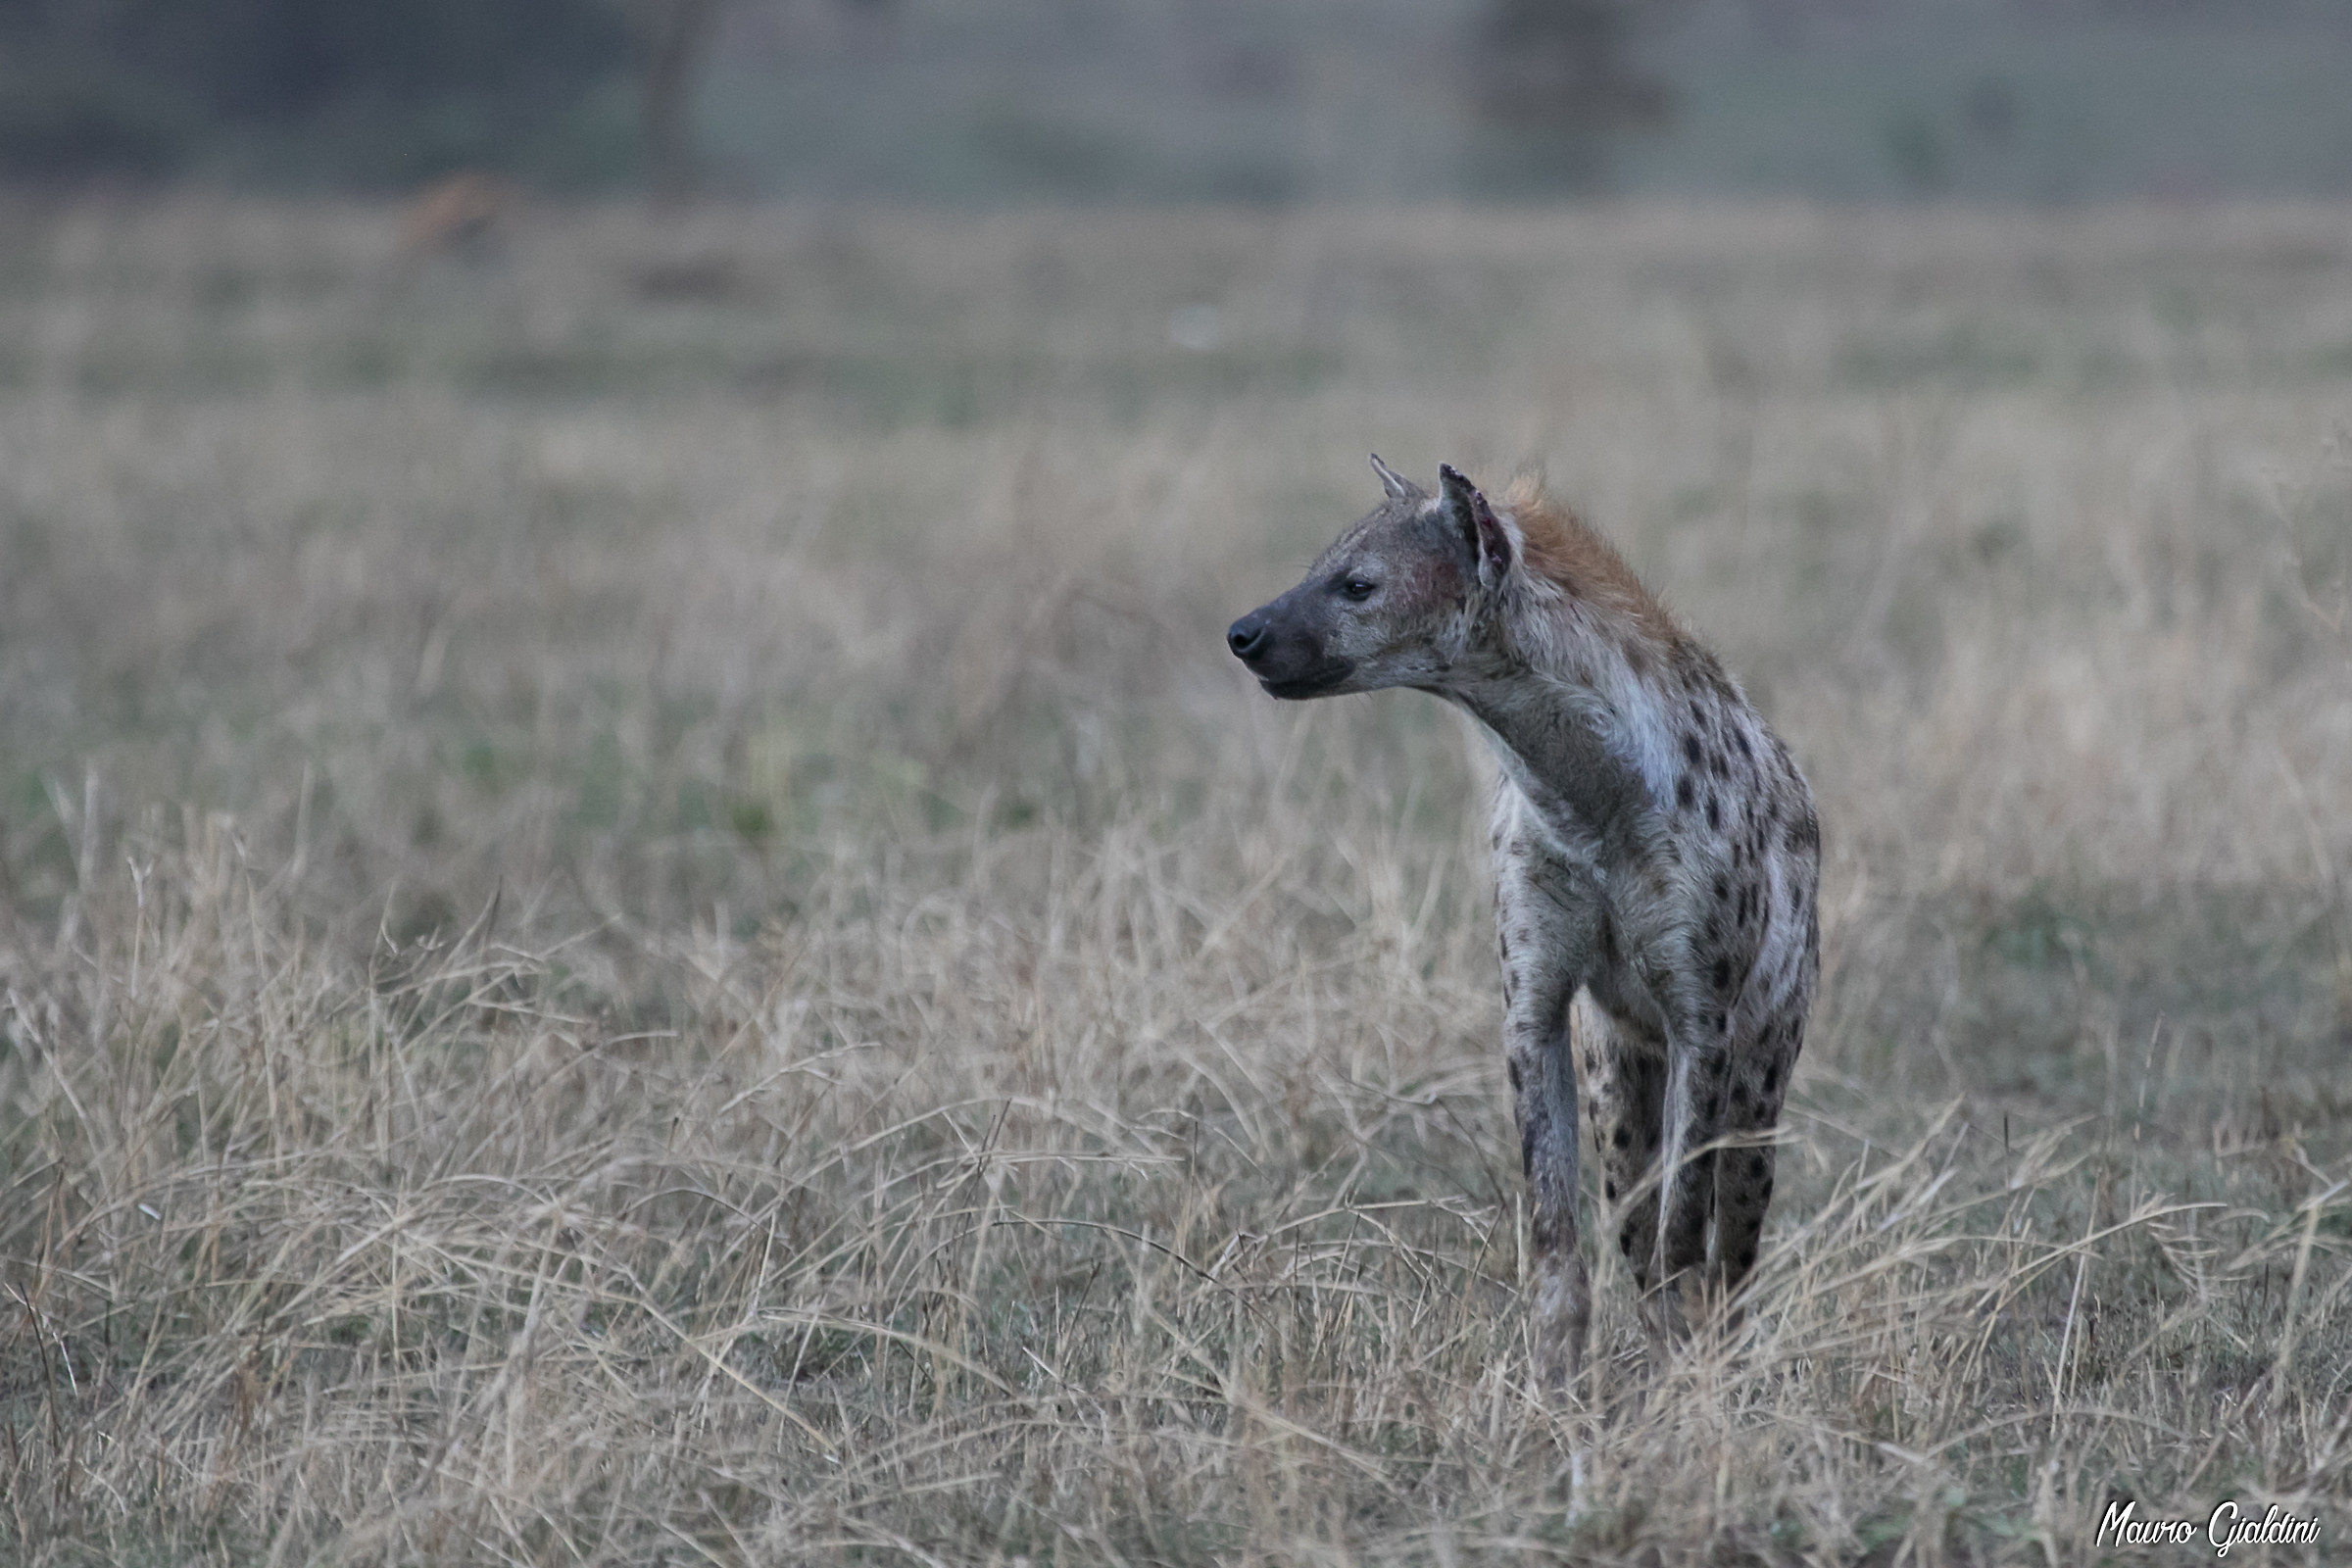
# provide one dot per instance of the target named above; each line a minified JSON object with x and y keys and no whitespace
{"x":1315,"y":683}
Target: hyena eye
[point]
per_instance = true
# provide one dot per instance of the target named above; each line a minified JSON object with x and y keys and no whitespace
{"x":1359,"y":588}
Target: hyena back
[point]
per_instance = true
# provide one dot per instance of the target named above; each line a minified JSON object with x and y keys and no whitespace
{"x":1656,"y":856}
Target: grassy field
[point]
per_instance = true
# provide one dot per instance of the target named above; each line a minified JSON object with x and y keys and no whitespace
{"x":643,"y":921}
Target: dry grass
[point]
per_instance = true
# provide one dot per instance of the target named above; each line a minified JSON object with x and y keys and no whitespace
{"x":643,"y":923}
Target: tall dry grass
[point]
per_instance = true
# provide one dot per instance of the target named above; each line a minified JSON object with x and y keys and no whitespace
{"x":643,"y":923}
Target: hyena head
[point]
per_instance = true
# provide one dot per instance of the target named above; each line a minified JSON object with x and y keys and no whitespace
{"x":1398,"y":599}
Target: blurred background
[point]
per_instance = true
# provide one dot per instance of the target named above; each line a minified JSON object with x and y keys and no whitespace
{"x":1228,"y":100}
{"x":643,"y":920}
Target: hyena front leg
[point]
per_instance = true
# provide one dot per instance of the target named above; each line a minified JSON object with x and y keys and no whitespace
{"x":1542,"y":939}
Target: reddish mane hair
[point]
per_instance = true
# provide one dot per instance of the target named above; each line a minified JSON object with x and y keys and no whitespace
{"x":1562,"y":547}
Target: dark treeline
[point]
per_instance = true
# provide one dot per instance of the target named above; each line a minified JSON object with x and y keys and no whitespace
{"x":1188,"y":100}
{"x":387,"y":93}
{"x":311,"y":90}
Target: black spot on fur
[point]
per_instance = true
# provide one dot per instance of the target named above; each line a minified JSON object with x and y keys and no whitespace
{"x":1714,"y":815}
{"x":1723,"y":889}
{"x":1610,"y":1189}
{"x":1721,"y":1024}
{"x":1625,"y":1241}
{"x":1723,"y":973}
{"x":1690,"y":751}
{"x":1514,"y":1071}
{"x":1683,"y":792}
{"x":1623,"y":1137}
{"x":1759,"y":1164}
{"x":1747,"y":1257}
{"x":1739,"y":740}
{"x":1526,"y":1152}
{"x":1771,"y":1076}
{"x":1805,"y":832}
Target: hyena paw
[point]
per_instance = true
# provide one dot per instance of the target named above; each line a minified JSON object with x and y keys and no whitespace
{"x":1667,"y":1312}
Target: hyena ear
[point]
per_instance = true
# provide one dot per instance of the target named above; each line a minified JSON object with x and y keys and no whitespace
{"x":1482,"y":530}
{"x":1399,"y":487}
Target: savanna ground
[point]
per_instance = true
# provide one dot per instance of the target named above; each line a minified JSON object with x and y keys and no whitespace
{"x":644,"y":922}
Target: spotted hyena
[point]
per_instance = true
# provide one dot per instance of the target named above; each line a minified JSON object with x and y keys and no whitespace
{"x":1655,"y":861}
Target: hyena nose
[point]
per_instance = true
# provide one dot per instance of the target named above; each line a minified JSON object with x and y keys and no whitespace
{"x":1247,"y":637}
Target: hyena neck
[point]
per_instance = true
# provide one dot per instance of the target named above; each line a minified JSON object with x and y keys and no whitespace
{"x":1576,"y":717}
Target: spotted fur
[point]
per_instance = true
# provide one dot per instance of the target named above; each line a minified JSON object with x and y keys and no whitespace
{"x":1657,"y":861}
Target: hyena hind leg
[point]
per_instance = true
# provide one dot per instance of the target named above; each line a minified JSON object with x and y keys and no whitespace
{"x":1744,"y":1175}
{"x":1624,"y":1086}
